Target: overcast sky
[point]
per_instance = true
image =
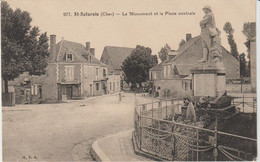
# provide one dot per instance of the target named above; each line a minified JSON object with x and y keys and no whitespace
{"x":129,"y":31}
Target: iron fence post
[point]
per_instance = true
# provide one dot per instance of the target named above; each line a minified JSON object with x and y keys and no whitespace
{"x":166,"y":109}
{"x":243,"y":103}
{"x":159,"y":128}
{"x":141,"y":129}
{"x":253,"y":105}
{"x":215,"y":151}
{"x":174,"y":140}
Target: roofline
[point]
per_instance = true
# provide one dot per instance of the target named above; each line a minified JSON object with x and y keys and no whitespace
{"x":119,"y":47}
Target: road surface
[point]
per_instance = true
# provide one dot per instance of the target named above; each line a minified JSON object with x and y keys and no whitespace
{"x":64,"y":131}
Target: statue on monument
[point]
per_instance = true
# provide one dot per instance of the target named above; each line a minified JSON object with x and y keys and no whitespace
{"x":210,"y":35}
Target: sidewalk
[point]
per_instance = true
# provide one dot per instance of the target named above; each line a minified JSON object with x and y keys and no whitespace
{"x":117,"y":147}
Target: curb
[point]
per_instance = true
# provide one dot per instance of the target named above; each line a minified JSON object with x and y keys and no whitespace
{"x":97,"y":153}
{"x":92,"y":97}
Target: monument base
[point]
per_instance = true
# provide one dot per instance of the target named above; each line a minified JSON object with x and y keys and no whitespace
{"x":208,"y":80}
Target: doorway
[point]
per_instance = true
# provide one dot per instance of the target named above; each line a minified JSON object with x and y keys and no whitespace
{"x":69,"y":92}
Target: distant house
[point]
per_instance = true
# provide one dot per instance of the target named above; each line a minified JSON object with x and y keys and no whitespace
{"x":174,"y":73}
{"x":27,"y":89}
{"x":73,"y":72}
{"x":114,"y":58}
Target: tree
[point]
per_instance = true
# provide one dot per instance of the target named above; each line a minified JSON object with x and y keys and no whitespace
{"x":249,"y":30}
{"x":229,"y":31}
{"x":243,"y":63}
{"x":182,"y":43}
{"x":136,"y":66}
{"x":163,"y":54}
{"x":22,"y":48}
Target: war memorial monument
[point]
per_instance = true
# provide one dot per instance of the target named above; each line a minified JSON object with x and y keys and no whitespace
{"x":202,"y":127}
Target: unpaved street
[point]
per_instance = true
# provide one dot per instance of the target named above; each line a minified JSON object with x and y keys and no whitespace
{"x":65,"y":131}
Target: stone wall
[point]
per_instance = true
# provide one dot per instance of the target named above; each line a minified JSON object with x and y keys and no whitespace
{"x":177,"y":87}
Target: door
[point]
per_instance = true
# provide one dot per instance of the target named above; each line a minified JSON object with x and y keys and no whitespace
{"x":27,"y":95}
{"x":69,"y":92}
{"x":75,"y":90}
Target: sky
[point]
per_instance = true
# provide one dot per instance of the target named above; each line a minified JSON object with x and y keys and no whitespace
{"x":129,"y":31}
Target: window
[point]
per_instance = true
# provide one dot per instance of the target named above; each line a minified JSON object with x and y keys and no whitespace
{"x":96,"y":71}
{"x":69,"y":57}
{"x":40,"y":91}
{"x":185,"y":84}
{"x":69,"y":71}
{"x":168,"y":70}
{"x":110,"y":86}
{"x":32,"y":89}
{"x":154,"y":75}
{"x":35,"y":89}
{"x":104,"y":72}
{"x":97,"y":86}
{"x":164,"y":71}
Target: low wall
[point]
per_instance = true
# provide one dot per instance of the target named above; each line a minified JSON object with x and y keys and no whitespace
{"x":238,"y":88}
{"x":177,"y":87}
{"x":8,"y":99}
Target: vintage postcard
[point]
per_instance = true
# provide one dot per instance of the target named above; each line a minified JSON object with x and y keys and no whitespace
{"x":132,"y":80}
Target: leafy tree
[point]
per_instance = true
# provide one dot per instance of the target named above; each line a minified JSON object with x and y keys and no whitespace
{"x":229,"y":31}
{"x":243,"y":62}
{"x":22,"y":50}
{"x":163,"y":54}
{"x":182,"y":43}
{"x":249,"y":30}
{"x":136,"y":66}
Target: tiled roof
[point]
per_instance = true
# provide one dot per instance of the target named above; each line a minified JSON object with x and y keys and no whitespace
{"x":157,"y":67}
{"x":184,"y":69}
{"x":118,"y":55}
{"x":78,"y":49}
{"x":186,"y":46}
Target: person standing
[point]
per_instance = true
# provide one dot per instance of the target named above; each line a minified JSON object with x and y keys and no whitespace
{"x":120,"y":96}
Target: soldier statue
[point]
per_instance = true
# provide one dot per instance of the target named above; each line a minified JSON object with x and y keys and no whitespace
{"x":210,"y":35}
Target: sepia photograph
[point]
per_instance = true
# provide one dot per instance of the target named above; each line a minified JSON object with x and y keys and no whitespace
{"x":132,"y":80}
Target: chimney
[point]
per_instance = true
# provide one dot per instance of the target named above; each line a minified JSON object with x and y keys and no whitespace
{"x":88,"y":46}
{"x":52,"y":46}
{"x":92,"y":50}
{"x":188,"y":37}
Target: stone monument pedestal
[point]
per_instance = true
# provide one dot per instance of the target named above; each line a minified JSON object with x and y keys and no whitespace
{"x":208,"y":80}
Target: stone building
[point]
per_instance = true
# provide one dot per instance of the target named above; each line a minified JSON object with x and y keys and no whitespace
{"x":114,"y":58}
{"x":174,"y":73}
{"x":27,"y":89}
{"x":73,"y":72}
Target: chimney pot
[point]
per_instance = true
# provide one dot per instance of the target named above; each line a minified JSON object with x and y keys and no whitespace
{"x":88,"y":46}
{"x":188,"y":37}
{"x":52,"y":46}
{"x":92,"y":50}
